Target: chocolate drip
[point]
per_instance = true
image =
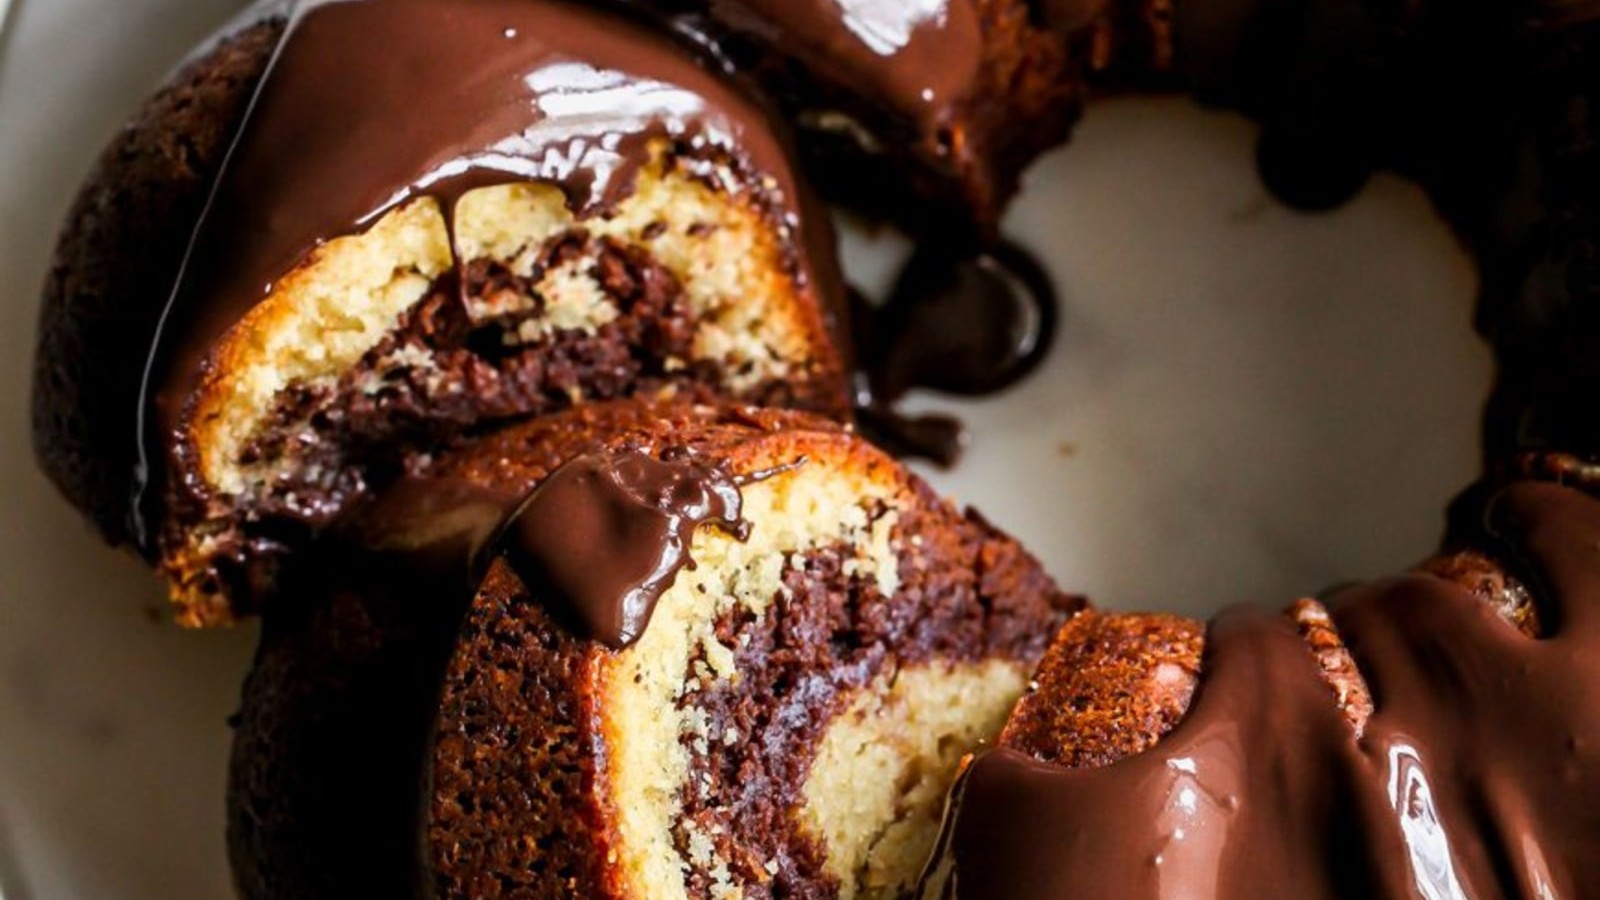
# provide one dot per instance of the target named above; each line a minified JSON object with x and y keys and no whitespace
{"x":371,"y":104}
{"x":1477,"y":775}
{"x":962,"y":324}
{"x":940,"y":439}
{"x":965,"y":325}
{"x":601,"y":537}
{"x":606,"y":534}
{"x":1508,"y":728}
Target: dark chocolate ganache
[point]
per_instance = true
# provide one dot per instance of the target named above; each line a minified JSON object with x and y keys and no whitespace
{"x":957,"y":322}
{"x":963,"y":324}
{"x":370,"y":104}
{"x":1477,"y":776}
{"x":606,"y":534}
{"x":600,"y":539}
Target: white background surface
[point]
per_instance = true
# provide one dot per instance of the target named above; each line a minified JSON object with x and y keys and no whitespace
{"x":1246,"y":404}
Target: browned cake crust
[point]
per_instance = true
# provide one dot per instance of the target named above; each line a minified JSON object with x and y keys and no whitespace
{"x":1030,"y":91}
{"x":114,"y":272}
{"x":1489,"y":580}
{"x":348,"y":697}
{"x":1334,"y":661}
{"x":1033,"y":82}
{"x":1113,"y":686}
{"x":329,"y":742}
{"x":1110,"y":687}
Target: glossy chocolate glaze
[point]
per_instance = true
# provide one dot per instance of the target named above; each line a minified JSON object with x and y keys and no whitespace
{"x":599,"y":539}
{"x":968,"y":324}
{"x":916,"y":59}
{"x":370,"y":104}
{"x":606,"y":534}
{"x":1182,"y":819}
{"x":1478,"y":773}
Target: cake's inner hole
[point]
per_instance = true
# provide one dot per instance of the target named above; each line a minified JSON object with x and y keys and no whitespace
{"x":1244,"y":401}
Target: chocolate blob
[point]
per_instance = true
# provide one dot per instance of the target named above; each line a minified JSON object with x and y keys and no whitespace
{"x":935,"y":437}
{"x":606,"y":534}
{"x":599,"y":539}
{"x":968,"y":324}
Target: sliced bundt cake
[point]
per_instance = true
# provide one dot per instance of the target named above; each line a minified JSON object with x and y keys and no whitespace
{"x":433,"y":215}
{"x":1428,"y":736}
{"x":714,"y":652}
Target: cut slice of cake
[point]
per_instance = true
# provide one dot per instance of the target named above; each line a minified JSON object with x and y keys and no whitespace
{"x":433,"y":217}
{"x":715,"y":652}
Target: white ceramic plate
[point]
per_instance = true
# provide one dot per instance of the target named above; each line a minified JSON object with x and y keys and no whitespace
{"x":1246,"y":405}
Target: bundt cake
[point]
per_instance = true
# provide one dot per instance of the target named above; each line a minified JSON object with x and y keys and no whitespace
{"x":409,"y":218}
{"x":1431,"y":736}
{"x":428,"y":328}
{"x":715,"y":652}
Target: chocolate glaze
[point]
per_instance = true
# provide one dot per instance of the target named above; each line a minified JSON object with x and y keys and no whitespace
{"x":935,"y":437}
{"x":916,"y":59}
{"x":969,"y":325}
{"x":1189,"y":816}
{"x":606,"y":534}
{"x":958,"y":323}
{"x":600,"y":538}
{"x":369,"y":104}
{"x":1477,"y":775}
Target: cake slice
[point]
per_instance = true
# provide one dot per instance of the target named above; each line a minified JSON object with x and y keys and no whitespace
{"x":349,"y":236}
{"x":715,"y":652}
